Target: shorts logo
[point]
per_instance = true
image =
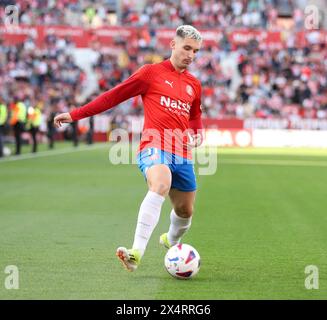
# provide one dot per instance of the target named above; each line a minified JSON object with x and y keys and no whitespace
{"x":154,"y":157}
{"x":189,"y":90}
{"x":153,"y":153}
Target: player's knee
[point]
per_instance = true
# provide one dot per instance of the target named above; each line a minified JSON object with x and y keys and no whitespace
{"x":184,"y":210}
{"x":160,"y":188}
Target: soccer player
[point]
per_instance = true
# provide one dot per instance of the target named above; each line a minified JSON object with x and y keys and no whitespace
{"x":172,"y":111}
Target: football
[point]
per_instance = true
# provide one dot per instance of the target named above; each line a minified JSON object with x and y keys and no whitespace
{"x":182,"y":261}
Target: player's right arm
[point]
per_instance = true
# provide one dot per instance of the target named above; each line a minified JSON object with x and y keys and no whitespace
{"x":135,"y":85}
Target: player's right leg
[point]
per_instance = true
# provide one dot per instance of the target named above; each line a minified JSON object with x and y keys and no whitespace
{"x":182,"y":196}
{"x":158,"y":177}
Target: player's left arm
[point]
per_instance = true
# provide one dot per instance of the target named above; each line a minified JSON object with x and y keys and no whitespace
{"x":195,"y":121}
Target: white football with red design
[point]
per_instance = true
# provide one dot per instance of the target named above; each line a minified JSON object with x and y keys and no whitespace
{"x":182,"y":261}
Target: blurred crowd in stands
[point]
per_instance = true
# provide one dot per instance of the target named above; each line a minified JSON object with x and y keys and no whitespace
{"x":36,"y":82}
{"x":289,"y":83}
{"x":200,"y":13}
{"x":65,"y":12}
{"x":46,"y":76}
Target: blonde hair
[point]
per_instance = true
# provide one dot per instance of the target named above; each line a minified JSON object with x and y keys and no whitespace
{"x":187,"y":31}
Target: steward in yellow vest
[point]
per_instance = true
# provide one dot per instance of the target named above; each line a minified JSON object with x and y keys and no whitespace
{"x":17,"y":121}
{"x":34,"y":117}
{"x":3,"y":120}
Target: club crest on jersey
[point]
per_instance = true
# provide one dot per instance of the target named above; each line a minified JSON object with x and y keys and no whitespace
{"x":189,"y":90}
{"x":175,"y":104}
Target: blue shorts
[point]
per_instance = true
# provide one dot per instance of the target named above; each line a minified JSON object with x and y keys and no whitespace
{"x":182,"y":169}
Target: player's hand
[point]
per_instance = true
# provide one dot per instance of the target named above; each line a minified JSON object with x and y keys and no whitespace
{"x":194,"y":140}
{"x":62,"y":118}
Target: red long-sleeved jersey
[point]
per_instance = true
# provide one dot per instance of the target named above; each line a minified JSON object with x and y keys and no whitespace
{"x":172,"y":105}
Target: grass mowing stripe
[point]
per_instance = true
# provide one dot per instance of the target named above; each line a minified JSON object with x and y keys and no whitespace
{"x":274,"y":162}
{"x":271,"y":151}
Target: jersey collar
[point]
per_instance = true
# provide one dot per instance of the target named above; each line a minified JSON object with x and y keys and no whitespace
{"x":167,"y":63}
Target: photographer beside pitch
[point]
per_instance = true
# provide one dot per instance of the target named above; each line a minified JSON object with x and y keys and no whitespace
{"x":172,"y":102}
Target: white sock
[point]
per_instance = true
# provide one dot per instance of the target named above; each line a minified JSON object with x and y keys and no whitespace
{"x":147,"y":220}
{"x":178,"y":227}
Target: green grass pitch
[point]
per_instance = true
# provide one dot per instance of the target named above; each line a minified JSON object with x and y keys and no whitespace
{"x":258,"y":222}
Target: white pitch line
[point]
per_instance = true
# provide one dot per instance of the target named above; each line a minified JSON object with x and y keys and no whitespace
{"x":269,"y":162}
{"x":52,"y":153}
